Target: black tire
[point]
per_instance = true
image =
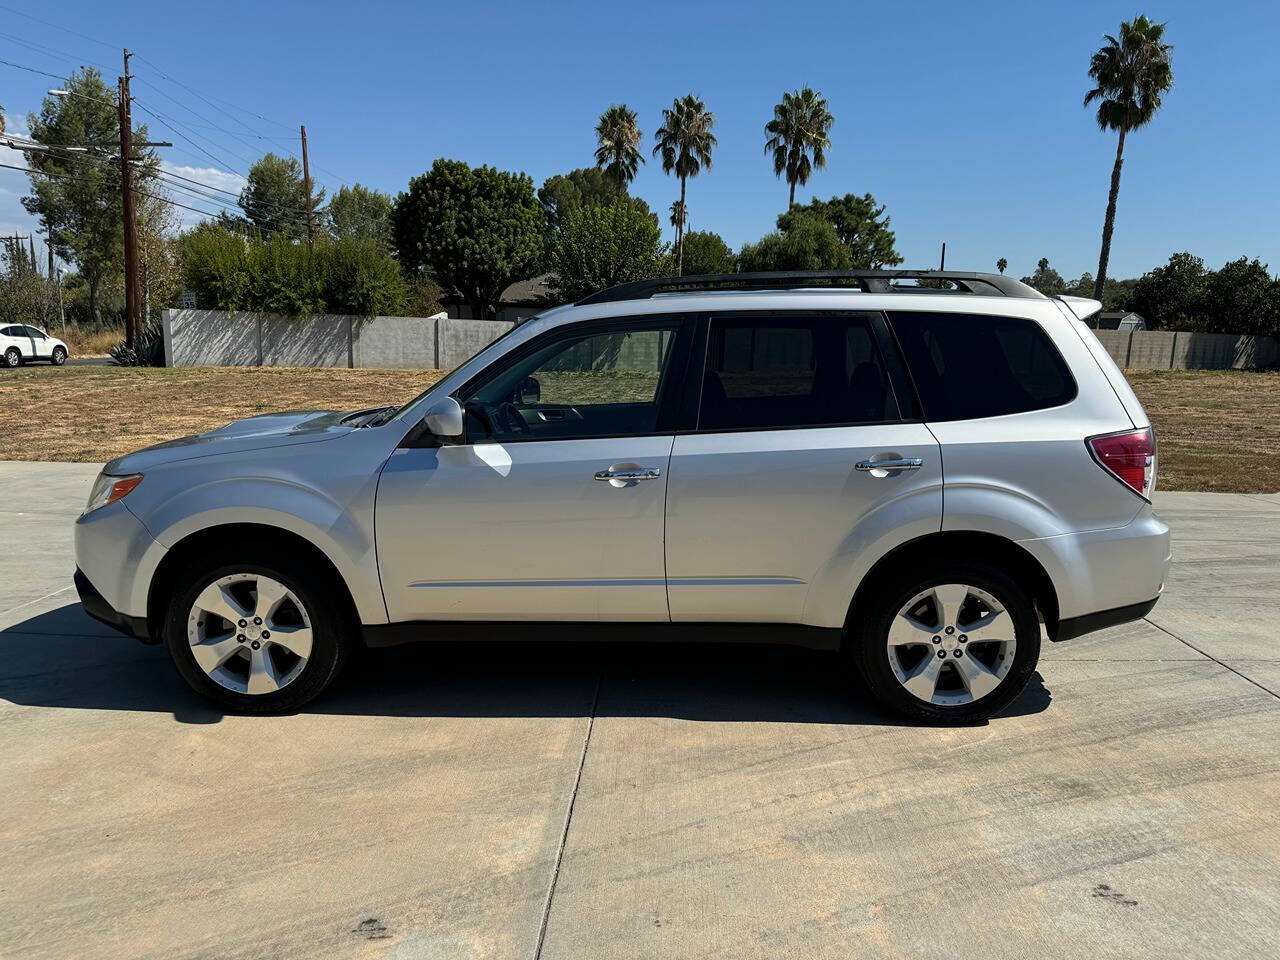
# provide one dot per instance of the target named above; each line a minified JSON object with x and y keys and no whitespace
{"x":331,"y":630}
{"x":59,"y":357}
{"x":868,"y":641}
{"x":12,"y":358}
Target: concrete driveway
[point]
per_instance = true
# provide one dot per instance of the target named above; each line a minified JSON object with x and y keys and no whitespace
{"x":588,"y":801}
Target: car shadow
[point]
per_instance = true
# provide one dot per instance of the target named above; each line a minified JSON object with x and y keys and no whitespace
{"x":62,"y":658}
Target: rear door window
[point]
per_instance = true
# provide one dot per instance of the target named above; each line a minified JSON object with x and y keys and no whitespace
{"x":968,"y":366}
{"x":780,"y":371}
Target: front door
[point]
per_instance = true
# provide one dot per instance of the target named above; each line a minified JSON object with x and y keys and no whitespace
{"x":552,"y":506}
{"x":774,"y":496}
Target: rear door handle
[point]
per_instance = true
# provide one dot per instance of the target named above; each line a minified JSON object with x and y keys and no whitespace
{"x":633,"y":473}
{"x":901,"y":463}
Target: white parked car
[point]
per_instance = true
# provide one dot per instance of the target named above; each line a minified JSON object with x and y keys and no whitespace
{"x":22,"y":343}
{"x":928,"y":478}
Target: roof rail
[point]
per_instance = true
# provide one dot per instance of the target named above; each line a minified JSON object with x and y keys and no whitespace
{"x":868,"y":281}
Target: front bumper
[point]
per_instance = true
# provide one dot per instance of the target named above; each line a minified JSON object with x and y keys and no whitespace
{"x":96,"y":606}
{"x":117,"y":557}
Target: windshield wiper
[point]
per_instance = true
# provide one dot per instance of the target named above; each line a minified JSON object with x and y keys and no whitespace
{"x":371,"y":414}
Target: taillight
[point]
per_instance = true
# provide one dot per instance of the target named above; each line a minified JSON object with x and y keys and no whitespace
{"x":1129,"y":456}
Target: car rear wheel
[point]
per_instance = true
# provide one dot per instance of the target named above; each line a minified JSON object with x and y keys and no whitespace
{"x":954,"y":645}
{"x":256,"y":637}
{"x":12,"y":357}
{"x":59,"y":356}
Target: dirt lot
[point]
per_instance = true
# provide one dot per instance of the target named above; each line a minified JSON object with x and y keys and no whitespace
{"x":1205,"y":419}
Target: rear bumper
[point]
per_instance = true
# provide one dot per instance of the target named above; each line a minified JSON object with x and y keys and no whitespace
{"x":1078,"y":626}
{"x":96,"y":606}
{"x":1100,"y":571}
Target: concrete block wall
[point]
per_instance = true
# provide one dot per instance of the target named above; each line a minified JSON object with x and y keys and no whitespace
{"x":211,"y":338}
{"x":1151,"y":349}
{"x":1117,"y":344}
{"x":394,"y":342}
{"x":214,"y":338}
{"x":458,"y":340}
{"x":320,"y":341}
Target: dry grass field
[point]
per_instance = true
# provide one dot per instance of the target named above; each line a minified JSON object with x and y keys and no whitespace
{"x":1218,"y":429}
{"x":86,"y":341}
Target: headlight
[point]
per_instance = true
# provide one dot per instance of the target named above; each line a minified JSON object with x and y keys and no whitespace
{"x":107,"y":489}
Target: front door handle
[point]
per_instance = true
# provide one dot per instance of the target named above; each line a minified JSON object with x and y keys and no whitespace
{"x":901,"y":463}
{"x":630,"y":473}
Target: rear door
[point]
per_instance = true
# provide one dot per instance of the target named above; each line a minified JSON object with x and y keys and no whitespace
{"x":16,"y":336}
{"x":774,"y":494}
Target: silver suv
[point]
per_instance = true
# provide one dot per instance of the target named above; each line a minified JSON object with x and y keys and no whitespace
{"x":927,"y":471}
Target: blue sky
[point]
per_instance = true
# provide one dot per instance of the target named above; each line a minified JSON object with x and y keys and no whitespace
{"x":964,"y":119}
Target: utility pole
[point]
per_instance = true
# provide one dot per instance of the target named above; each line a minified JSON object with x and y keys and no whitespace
{"x":943,"y":264}
{"x":62,"y":315}
{"x":130,"y":210}
{"x":306,"y":179}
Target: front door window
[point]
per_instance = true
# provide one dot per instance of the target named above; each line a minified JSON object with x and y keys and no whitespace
{"x":609,"y":383}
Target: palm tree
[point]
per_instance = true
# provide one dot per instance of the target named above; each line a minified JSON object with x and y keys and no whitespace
{"x":799,"y":129}
{"x":685,"y":142}
{"x":619,"y":138}
{"x":1130,"y":76}
{"x":678,"y":214}
{"x":1002,"y":264}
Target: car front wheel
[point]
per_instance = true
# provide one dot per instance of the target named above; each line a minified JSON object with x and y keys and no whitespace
{"x":256,"y":637}
{"x":59,"y":356}
{"x":955,"y":645}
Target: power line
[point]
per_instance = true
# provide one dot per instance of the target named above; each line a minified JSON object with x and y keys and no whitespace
{"x":74,"y":33}
{"x":53,"y":52}
{"x":200,"y":96}
{"x":165,"y":122}
{"x":43,"y":73}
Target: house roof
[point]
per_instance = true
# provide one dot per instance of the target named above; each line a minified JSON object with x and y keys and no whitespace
{"x":536,"y":290}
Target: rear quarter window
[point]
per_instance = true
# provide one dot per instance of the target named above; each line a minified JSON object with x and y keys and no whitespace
{"x":970,"y":366}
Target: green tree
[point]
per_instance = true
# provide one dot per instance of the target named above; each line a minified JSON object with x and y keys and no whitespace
{"x":601,"y":246}
{"x":584,"y":187}
{"x":807,"y":242}
{"x":274,"y":199}
{"x":228,"y":271}
{"x":1116,"y":294}
{"x":360,"y":278}
{"x":798,"y":136}
{"x":706,"y":252}
{"x":1002,"y":264}
{"x":474,"y":230}
{"x":618,"y":137}
{"x":1131,"y":75}
{"x":1243,"y":297}
{"x":1046,"y":279}
{"x":358,"y":211}
{"x":1173,"y":296}
{"x":860,"y":223}
{"x":76,"y":194}
{"x":685,"y":141}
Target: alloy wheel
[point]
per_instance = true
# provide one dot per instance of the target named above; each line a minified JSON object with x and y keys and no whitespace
{"x":249,"y":633}
{"x":951,"y":644}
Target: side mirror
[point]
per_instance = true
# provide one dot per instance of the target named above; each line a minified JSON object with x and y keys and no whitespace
{"x":529,"y":391}
{"x":444,"y":418}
